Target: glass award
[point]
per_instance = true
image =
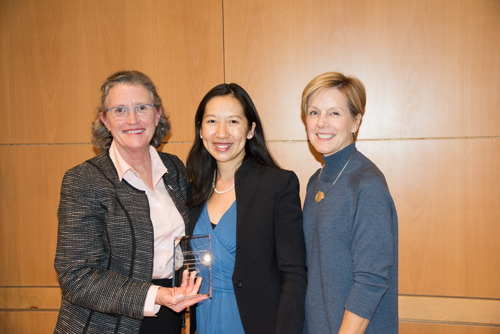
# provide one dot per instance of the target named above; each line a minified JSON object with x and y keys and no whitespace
{"x":193,"y":253}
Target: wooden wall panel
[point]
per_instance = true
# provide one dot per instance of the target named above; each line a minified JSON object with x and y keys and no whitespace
{"x":27,"y":322}
{"x":38,"y":67}
{"x":485,"y":312}
{"x":296,"y":156}
{"x":30,"y":298}
{"x":179,"y":149}
{"x":431,"y":68}
{"x":31,"y":180}
{"x":446,"y":194}
{"x":57,"y":53}
{"x":419,"y":328}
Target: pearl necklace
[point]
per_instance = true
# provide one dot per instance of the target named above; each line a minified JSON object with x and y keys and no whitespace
{"x":220,"y":192}
{"x":320,"y":195}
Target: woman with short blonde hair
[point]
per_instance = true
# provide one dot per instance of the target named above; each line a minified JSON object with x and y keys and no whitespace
{"x":350,"y":221}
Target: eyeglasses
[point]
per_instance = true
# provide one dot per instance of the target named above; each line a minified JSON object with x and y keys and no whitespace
{"x":140,"y":110}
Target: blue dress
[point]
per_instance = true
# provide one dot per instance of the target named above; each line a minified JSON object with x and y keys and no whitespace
{"x":220,"y":314}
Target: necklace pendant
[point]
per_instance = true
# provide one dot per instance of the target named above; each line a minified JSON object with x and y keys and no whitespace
{"x":319,"y":196}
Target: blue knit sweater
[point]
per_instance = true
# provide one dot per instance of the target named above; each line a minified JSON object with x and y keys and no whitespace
{"x":352,"y":247}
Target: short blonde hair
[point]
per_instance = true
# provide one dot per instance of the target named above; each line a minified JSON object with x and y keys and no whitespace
{"x":352,"y":88}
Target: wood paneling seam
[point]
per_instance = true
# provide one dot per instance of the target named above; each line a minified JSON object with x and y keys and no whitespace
{"x":29,"y":309}
{"x":277,"y":141}
{"x":455,"y":297}
{"x":461,"y":323}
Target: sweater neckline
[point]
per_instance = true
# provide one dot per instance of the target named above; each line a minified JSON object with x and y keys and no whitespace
{"x":335,"y":162}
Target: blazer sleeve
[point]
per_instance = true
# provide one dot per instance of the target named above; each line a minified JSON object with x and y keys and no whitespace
{"x":291,"y":258}
{"x":83,"y":255}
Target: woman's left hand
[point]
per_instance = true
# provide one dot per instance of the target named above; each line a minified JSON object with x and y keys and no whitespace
{"x":186,"y":295}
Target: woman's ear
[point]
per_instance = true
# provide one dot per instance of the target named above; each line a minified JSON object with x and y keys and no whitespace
{"x":357,"y":123}
{"x":104,"y":121}
{"x":251,"y":132}
{"x":158,"y":116}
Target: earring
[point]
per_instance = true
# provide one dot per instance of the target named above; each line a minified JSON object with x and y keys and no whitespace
{"x":201,"y":136}
{"x":250,"y":137}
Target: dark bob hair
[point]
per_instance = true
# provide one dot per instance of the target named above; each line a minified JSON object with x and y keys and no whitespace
{"x":201,"y":165}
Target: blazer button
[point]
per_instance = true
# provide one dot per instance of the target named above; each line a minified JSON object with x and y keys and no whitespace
{"x":239,"y":284}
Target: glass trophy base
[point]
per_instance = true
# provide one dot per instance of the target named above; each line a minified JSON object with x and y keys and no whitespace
{"x":193,"y":253}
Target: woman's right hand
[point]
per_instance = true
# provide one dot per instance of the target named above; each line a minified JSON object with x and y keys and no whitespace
{"x":186,"y":295}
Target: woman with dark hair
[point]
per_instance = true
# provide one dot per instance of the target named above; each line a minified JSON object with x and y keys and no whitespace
{"x":118,"y":216}
{"x":251,"y":209}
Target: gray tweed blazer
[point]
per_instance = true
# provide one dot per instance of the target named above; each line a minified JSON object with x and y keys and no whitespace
{"x":104,"y":255}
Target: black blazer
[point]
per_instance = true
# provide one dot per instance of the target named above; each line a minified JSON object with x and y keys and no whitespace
{"x":105,"y":245}
{"x":269,"y":278}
